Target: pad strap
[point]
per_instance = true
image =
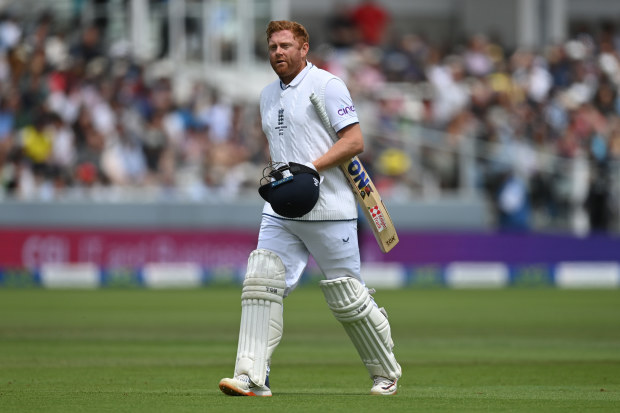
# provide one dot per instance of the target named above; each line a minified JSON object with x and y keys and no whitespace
{"x":366,"y":325}
{"x":261,"y":314}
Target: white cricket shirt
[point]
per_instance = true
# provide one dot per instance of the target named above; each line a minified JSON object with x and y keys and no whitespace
{"x":296,"y":134}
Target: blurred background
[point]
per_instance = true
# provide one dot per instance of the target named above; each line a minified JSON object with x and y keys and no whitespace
{"x":131,"y":150}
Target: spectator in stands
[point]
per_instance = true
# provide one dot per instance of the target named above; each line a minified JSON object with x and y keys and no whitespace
{"x":372,"y":21}
{"x":217,"y":115}
{"x":89,"y":46}
{"x":597,"y":202}
{"x":404,"y":59}
{"x":37,"y":140}
{"x":476,"y":57}
{"x":154,"y":142}
{"x":450,"y":90}
{"x":10,"y":32}
{"x":513,"y":203}
{"x":341,"y":28}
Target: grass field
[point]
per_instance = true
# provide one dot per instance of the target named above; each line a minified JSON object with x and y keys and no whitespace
{"x":135,"y":350}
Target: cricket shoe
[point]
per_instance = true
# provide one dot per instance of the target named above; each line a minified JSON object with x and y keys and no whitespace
{"x":242,"y":386}
{"x":383,"y":386}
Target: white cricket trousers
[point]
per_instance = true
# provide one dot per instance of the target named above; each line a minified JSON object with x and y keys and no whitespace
{"x":333,"y":245}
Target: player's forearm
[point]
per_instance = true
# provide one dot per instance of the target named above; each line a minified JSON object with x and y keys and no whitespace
{"x":350,"y":144}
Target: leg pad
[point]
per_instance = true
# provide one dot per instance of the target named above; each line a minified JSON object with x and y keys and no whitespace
{"x":366,"y":325}
{"x":261,"y":314}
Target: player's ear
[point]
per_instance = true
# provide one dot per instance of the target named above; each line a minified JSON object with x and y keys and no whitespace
{"x":304,"y":49}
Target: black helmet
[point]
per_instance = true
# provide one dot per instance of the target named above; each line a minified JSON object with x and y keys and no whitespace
{"x":294,"y":191}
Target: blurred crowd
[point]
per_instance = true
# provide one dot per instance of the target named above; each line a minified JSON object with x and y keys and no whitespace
{"x":537,"y":130}
{"x":78,"y":118}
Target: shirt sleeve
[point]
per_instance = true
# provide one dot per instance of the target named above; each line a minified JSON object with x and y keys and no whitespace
{"x":339,"y":105}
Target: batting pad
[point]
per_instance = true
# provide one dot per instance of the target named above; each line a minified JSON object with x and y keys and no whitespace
{"x":261,"y":314}
{"x":365,"y":324}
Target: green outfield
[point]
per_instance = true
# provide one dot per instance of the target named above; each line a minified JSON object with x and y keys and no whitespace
{"x":164,"y":351}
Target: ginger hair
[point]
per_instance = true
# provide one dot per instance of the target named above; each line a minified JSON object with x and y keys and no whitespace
{"x":299,"y":32}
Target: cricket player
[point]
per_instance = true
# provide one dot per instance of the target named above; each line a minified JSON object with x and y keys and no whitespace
{"x":310,"y":209}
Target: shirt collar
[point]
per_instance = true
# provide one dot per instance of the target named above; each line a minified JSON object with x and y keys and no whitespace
{"x":300,"y":76}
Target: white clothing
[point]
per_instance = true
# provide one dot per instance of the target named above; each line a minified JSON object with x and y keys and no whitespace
{"x":296,"y":134}
{"x":328,"y":232}
{"x":333,"y":246}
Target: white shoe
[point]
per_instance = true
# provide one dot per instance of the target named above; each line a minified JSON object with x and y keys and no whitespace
{"x":243,"y":386}
{"x":383,"y":386}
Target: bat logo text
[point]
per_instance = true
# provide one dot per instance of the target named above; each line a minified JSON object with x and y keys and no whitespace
{"x":360,"y":177}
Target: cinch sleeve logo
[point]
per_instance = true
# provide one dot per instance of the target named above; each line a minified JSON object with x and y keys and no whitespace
{"x":345,"y":110}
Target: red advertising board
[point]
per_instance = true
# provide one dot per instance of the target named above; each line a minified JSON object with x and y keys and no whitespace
{"x":29,"y":248}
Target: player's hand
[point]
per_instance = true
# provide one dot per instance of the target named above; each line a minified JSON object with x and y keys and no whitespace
{"x":311,"y":165}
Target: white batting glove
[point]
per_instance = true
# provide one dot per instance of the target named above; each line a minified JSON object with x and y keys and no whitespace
{"x":311,"y":165}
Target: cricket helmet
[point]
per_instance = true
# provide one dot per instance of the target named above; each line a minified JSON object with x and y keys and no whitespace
{"x":293,"y":189}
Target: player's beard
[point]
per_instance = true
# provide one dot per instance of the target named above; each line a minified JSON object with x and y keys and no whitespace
{"x":285,"y":70}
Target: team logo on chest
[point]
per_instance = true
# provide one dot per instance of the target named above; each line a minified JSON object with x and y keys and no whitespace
{"x":281,"y":126}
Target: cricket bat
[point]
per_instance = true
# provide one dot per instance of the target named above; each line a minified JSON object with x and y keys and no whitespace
{"x":364,"y":189}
